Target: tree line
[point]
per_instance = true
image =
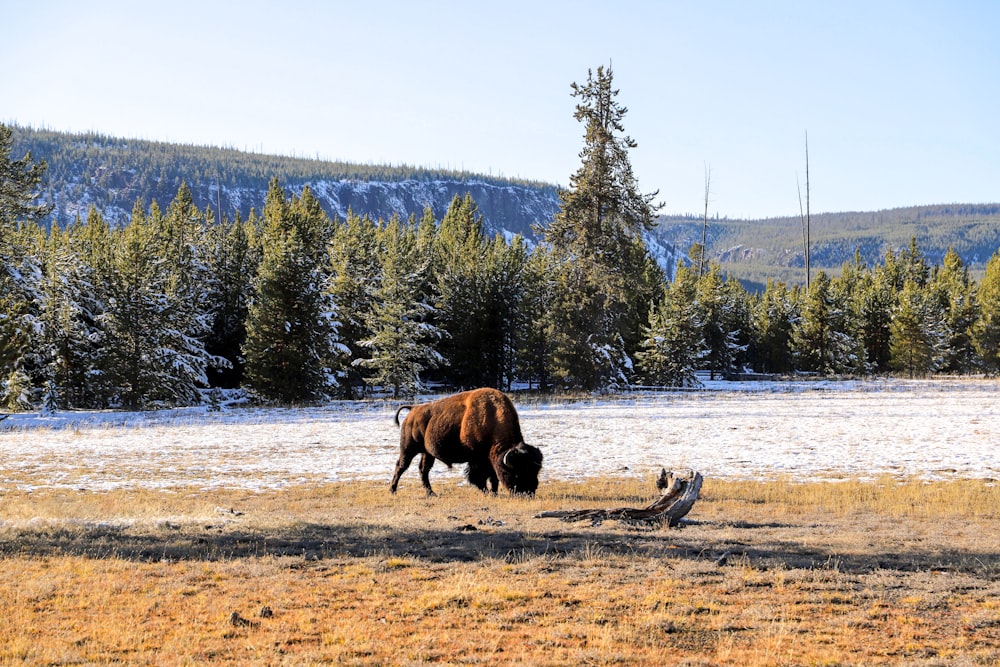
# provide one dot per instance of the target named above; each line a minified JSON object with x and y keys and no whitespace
{"x":294,"y":306}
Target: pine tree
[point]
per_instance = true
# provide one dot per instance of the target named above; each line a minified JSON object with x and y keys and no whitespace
{"x":17,"y":313}
{"x":135,"y":312}
{"x":594,"y":237}
{"x":67,"y":332}
{"x":721,"y":318}
{"x":153,"y":322}
{"x":586,"y":349}
{"x":460,"y":293}
{"x":233,"y":257}
{"x":290,"y":345}
{"x":355,"y":272}
{"x":20,"y":183}
{"x":986,"y":332}
{"x":504,"y":267}
{"x":914,"y":265}
{"x":848,"y":325}
{"x":822,"y":338}
{"x":955,"y":295}
{"x":93,"y":243}
{"x":673,"y":340}
{"x":873,"y":304}
{"x":401,"y":345}
{"x":916,"y":335}
{"x":739,"y":320}
{"x":647,"y":280}
{"x":603,"y":210}
{"x":20,"y":271}
{"x":187,"y":321}
{"x":478,"y":288}
{"x":15,"y":342}
{"x":535,"y":348}
{"x":13,"y":335}
{"x":773,"y":315}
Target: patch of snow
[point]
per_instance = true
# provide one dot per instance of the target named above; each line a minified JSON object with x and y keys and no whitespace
{"x":806,"y":430}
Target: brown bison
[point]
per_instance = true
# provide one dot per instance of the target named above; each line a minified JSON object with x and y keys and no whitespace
{"x":478,"y":427}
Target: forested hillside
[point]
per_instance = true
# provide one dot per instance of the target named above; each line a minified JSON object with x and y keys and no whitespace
{"x":758,"y":250}
{"x":111,"y":174}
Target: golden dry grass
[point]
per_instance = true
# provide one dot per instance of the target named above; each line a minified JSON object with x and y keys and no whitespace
{"x":846,"y":573}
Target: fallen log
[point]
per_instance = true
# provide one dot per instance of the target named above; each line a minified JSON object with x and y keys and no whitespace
{"x":678,"y":494}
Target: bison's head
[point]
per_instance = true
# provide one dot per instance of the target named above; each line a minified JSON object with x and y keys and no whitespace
{"x":519,"y":467}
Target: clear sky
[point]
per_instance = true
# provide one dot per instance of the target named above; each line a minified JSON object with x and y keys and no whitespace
{"x":900,"y":98}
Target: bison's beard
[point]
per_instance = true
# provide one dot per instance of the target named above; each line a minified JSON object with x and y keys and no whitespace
{"x":479,"y":476}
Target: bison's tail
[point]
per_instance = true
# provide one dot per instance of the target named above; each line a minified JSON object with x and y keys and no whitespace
{"x":401,"y":408}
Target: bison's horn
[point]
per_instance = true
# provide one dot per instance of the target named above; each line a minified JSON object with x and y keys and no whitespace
{"x":506,"y":463}
{"x":517,"y":451}
{"x":522,"y":450}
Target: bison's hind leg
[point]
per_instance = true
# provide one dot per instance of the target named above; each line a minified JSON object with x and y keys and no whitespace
{"x":426,"y":463}
{"x":401,"y":465}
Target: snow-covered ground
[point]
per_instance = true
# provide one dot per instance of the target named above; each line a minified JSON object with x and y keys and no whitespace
{"x":802,"y":430}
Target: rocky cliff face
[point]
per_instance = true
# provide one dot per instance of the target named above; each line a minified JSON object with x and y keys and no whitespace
{"x":506,"y":209}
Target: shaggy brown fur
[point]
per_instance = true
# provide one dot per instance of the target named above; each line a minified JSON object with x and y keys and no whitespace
{"x":478,"y":427}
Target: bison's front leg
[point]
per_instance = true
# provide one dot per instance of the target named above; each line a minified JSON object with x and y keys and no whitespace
{"x":480,"y":475}
{"x":426,"y":463}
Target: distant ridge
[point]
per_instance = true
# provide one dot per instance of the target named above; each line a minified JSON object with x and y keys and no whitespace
{"x":755,"y":250}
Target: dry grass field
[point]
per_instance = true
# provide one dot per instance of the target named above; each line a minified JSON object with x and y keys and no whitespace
{"x":769,"y":573}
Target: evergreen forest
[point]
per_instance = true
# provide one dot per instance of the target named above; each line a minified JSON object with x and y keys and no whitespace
{"x":292,"y":305}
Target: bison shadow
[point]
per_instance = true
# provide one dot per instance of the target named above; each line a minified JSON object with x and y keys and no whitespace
{"x":469,"y":543}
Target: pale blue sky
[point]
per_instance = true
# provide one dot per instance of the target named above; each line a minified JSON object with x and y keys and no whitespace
{"x":900,"y":99}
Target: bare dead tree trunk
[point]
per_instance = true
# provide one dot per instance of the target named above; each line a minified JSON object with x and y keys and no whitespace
{"x":808,"y":240}
{"x":802,"y":221}
{"x":704,"y":227}
{"x":678,"y":494}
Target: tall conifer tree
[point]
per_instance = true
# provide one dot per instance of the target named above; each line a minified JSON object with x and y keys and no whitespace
{"x":20,"y":269}
{"x":460,"y":292}
{"x":593,"y":236}
{"x":137,"y":313}
{"x":67,"y":330}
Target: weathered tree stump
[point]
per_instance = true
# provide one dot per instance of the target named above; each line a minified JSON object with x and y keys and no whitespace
{"x":678,"y":494}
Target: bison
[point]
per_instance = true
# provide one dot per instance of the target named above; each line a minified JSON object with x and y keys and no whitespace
{"x":478,"y":427}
